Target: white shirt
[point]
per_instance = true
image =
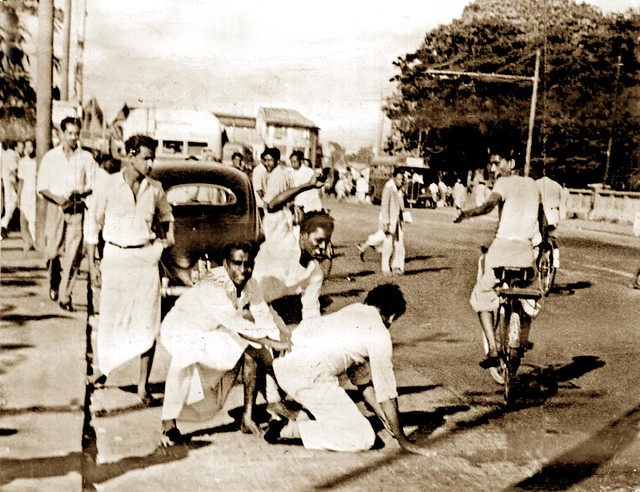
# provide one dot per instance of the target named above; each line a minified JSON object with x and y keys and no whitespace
{"x":9,"y":162}
{"x":259,"y":181}
{"x":279,"y":180}
{"x":213,"y":306}
{"x":279,"y":272}
{"x":351,"y":336}
{"x":519,"y":208}
{"x":309,"y":200}
{"x":551,"y":196}
{"x":61,"y":176}
{"x":126,"y":220}
{"x":27,"y":172}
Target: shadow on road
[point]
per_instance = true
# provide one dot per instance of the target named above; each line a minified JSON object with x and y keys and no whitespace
{"x":411,"y":259}
{"x":30,"y":468}
{"x":570,"y":289}
{"x":432,"y":337}
{"x":22,"y":319}
{"x":581,"y":462}
{"x":551,"y":375}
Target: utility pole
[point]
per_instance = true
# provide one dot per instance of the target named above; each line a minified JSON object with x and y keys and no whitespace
{"x":79,"y":72}
{"x":614,"y":115}
{"x":66,"y":44}
{"x":532,"y":114}
{"x":44,"y":82}
{"x":508,"y":78}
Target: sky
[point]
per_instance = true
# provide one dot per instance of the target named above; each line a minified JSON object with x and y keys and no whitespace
{"x":330,"y":60}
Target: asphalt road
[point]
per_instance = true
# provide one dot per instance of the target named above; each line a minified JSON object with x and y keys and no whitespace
{"x":575,"y":423}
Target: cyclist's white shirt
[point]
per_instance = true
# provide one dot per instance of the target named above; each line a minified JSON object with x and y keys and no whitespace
{"x":519,"y":208}
{"x":551,"y":195}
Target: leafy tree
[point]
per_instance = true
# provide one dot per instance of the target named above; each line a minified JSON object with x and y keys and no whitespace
{"x":364,"y":155}
{"x":454,"y":120}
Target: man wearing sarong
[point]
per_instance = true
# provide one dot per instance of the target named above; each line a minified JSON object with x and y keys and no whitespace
{"x":125,"y":209}
{"x":65,"y":178}
{"x":356,"y":340}
{"x":207,"y":333}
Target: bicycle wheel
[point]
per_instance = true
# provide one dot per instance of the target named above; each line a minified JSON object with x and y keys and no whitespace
{"x":500,"y":333}
{"x":512,"y":355}
{"x":546,"y":270}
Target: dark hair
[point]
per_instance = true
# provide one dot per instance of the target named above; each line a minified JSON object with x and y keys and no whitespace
{"x":299,"y":154}
{"x":249,"y":247}
{"x":388,"y":298}
{"x":237,"y":154}
{"x":133,"y":144}
{"x":32,"y":155}
{"x":315,"y":220}
{"x":70,"y":120}
{"x":111,"y":165}
{"x":273,"y":152}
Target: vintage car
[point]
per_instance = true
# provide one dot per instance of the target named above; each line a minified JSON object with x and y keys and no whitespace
{"x":213,"y":205}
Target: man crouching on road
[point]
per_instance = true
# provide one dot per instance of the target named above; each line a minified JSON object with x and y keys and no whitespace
{"x":324,"y":348}
{"x":207,"y":332}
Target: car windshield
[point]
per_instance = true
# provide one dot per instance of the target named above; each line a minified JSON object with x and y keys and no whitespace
{"x":200,"y":194}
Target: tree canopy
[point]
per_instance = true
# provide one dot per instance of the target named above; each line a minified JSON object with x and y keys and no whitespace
{"x":587,"y":93}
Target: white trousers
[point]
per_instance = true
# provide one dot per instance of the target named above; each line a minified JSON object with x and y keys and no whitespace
{"x":339,"y":425}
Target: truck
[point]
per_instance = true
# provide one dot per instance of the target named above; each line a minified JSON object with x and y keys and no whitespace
{"x":415,"y":188}
{"x":181,"y":133}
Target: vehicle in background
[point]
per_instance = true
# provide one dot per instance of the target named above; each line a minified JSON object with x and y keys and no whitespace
{"x":181,"y":133}
{"x":213,"y":205}
{"x":416,"y":191}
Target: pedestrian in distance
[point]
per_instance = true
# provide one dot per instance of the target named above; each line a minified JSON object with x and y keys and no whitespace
{"x":125,"y":210}
{"x":65,"y":179}
{"x":27,"y":177}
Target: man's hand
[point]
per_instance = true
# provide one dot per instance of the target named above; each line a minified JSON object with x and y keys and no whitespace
{"x":283,"y":346}
{"x":72,"y":206}
{"x":94,"y":273}
{"x":460,"y":217}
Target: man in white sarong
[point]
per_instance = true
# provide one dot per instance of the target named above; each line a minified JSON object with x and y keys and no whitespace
{"x":207,"y":333}
{"x":124,"y":209}
{"x":355,"y":339}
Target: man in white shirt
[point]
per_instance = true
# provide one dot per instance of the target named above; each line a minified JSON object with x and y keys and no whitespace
{"x":551,"y":196}
{"x":356,"y":341}
{"x":9,"y":157}
{"x":65,"y":178}
{"x":519,"y":229}
{"x":125,"y":210}
{"x":308,"y":201}
{"x":259,"y":178}
{"x":207,"y":333}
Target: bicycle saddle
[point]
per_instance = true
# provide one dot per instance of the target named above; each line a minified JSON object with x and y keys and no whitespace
{"x":512,"y":275}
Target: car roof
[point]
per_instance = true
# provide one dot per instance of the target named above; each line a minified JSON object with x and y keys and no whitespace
{"x":172,"y":172}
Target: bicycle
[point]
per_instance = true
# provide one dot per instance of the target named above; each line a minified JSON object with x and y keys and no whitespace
{"x":512,"y":291}
{"x":547,"y":262}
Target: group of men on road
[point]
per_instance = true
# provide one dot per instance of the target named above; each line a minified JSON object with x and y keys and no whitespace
{"x":233,"y":320}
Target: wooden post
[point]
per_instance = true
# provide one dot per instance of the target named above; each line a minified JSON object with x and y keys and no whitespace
{"x":44,"y":82}
{"x":66,"y":43}
{"x":532,"y":114}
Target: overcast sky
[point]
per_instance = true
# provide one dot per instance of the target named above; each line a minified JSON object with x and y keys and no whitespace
{"x":330,"y":60}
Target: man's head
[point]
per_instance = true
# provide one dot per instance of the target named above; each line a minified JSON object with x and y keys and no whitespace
{"x":238,"y":262}
{"x":30,"y":148}
{"x":398,"y":178}
{"x":388,"y":300}
{"x":501,"y":166}
{"x":141,"y":151}
{"x":296,"y":159}
{"x":70,"y":132}
{"x":315,"y":234}
{"x":270,"y":158}
{"x":236,"y":160}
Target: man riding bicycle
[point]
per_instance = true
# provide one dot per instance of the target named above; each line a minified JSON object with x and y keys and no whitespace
{"x":521,"y":221}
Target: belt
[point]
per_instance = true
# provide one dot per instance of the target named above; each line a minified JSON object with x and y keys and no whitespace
{"x":134,"y":246}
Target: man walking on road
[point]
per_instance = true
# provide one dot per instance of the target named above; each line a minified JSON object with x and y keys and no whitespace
{"x":206,"y":334}
{"x":355,"y":339}
{"x":125,"y":210}
{"x":65,"y":178}
{"x":520,"y":226}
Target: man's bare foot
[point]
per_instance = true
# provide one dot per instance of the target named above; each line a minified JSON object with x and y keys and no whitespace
{"x":171,"y":435}
{"x":97,"y":380}
{"x":278,"y":409}
{"x":248,"y":426}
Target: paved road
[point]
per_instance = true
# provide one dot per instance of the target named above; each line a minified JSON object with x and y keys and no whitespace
{"x":574,"y":424}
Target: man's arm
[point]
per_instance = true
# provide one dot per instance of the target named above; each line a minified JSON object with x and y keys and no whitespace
{"x":483,"y":209}
{"x":390,"y":409}
{"x":282,"y":199}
